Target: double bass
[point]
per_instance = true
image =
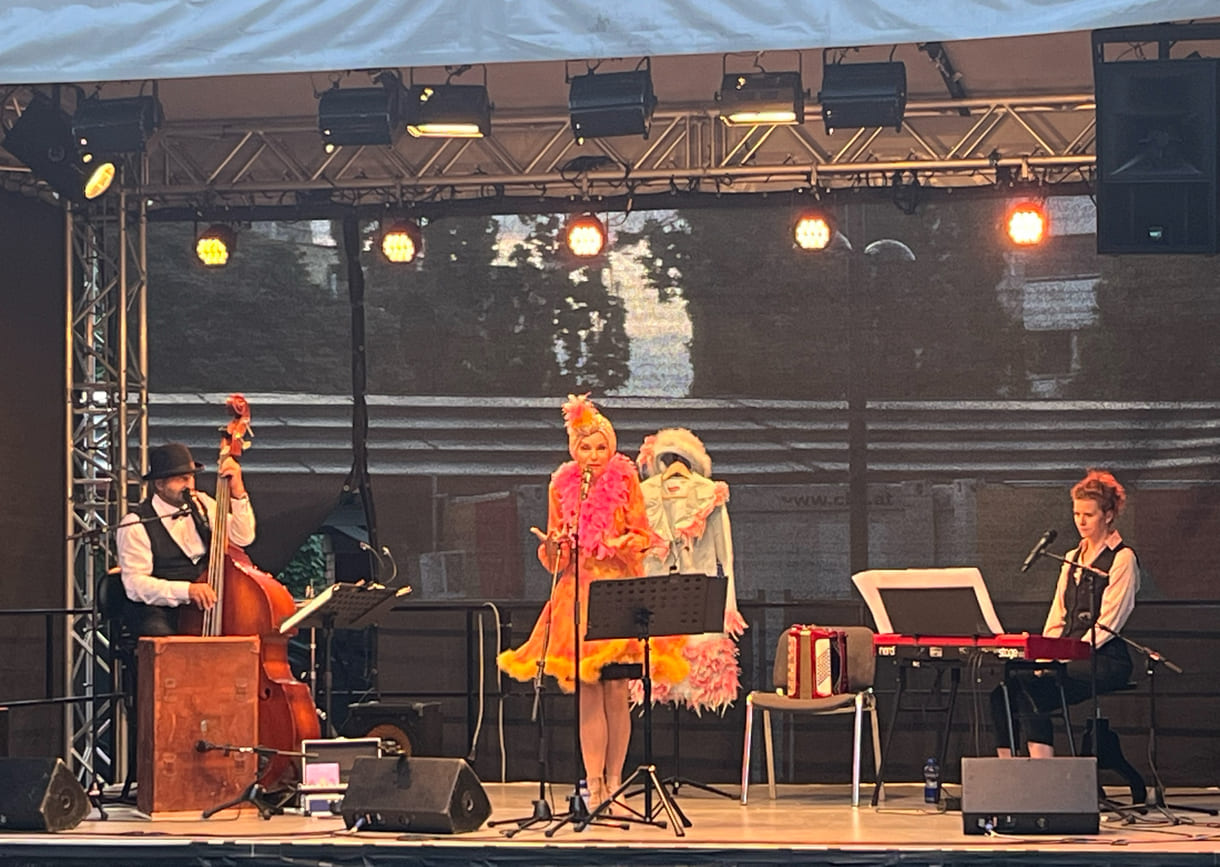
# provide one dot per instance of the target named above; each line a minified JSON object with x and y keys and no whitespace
{"x":251,"y":602}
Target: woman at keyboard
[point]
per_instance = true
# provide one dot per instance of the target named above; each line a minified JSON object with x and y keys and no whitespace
{"x":1097,"y":500}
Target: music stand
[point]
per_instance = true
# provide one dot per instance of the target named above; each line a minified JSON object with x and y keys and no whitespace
{"x":644,"y":608}
{"x":341,"y":606}
{"x":938,"y":602}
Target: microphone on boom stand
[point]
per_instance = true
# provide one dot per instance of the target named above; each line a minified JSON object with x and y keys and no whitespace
{"x":1039,"y":549}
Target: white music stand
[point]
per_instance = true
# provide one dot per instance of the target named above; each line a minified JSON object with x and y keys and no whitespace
{"x":940,"y":602}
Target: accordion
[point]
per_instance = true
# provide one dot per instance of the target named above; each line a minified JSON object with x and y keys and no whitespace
{"x":817,"y":662}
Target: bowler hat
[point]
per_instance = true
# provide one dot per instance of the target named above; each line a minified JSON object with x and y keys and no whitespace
{"x":171,"y":459}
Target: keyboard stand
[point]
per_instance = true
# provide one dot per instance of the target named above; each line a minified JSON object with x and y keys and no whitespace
{"x":940,"y":666}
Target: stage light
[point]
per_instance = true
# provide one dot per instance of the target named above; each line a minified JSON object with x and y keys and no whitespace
{"x":585,"y":236}
{"x":215,"y":245}
{"x":360,"y":115}
{"x":115,"y":126}
{"x":42,"y":139}
{"x":814,"y":230}
{"x":402,"y":242}
{"x":1027,"y":224}
{"x":752,"y":98}
{"x":855,"y":95}
{"x":448,"y":111}
{"x":610,"y":104}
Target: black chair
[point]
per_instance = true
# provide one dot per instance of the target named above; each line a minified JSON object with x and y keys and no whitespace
{"x":111,"y":601}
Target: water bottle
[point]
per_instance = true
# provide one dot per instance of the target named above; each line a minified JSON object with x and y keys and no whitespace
{"x":931,"y":781}
{"x":583,"y":791}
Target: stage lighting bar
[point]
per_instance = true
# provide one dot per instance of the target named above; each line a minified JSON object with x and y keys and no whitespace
{"x":611,"y":104}
{"x":116,"y":126}
{"x":752,"y":98}
{"x":360,"y":115}
{"x":42,"y":139}
{"x":448,"y":111}
{"x":856,"y":95}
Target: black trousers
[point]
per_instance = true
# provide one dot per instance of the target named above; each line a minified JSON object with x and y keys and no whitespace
{"x":1031,"y":694}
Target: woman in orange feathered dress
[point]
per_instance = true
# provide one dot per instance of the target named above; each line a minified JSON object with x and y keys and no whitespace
{"x":594,"y":500}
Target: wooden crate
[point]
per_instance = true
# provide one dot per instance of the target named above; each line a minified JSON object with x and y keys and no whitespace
{"x":192,"y":690}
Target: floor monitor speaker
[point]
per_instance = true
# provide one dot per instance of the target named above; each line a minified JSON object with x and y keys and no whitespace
{"x":40,"y":795}
{"x":1030,"y":796}
{"x":416,"y":794}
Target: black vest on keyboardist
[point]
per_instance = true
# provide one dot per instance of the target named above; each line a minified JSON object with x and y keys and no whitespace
{"x":1076,"y":602}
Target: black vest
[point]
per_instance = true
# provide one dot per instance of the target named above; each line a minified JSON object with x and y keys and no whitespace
{"x":1076,"y":595}
{"x":170,"y":561}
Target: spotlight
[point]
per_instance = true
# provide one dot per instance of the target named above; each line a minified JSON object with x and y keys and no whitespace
{"x":814,"y":230}
{"x":402,"y":242}
{"x":751,"y":98}
{"x":360,"y":115}
{"x":215,"y":244}
{"x":116,"y":126}
{"x":585,"y":236}
{"x":863,"y":95}
{"x":610,"y":104}
{"x":448,"y":111}
{"x":1027,"y":224}
{"x":42,"y":139}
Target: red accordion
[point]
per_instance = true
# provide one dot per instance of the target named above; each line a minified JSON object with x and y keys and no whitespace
{"x":817,"y":662}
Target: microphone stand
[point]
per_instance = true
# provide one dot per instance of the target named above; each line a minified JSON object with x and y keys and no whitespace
{"x":95,"y":532}
{"x":254,"y":793}
{"x":1151,"y":660}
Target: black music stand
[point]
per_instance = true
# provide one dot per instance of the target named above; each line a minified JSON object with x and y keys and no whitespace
{"x":341,"y":606}
{"x":644,"y":608}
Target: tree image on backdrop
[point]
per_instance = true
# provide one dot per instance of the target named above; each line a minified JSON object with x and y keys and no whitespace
{"x":1155,"y":334}
{"x":771,"y":320}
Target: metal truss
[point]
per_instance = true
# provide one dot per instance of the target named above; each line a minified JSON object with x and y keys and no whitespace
{"x":203,"y":168}
{"x":531,"y":158}
{"x":106,"y":409}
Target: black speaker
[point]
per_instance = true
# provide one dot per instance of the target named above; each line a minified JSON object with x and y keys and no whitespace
{"x":415,"y":726}
{"x":40,"y":795}
{"x":1030,"y":796}
{"x":422,"y":795}
{"x":1157,"y":159}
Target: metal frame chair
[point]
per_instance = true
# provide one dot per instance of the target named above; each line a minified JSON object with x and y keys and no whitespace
{"x":861,"y":667}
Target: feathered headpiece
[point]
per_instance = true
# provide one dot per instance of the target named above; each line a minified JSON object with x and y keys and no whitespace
{"x":582,"y":419}
{"x":673,"y":441}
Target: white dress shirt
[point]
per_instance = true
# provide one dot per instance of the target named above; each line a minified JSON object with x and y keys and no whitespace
{"x":135,"y":549}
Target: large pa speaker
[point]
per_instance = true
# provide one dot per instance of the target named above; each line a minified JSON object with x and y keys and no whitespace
{"x":1157,"y":158}
{"x":416,"y":728}
{"x":1030,"y":796}
{"x":40,"y":795}
{"x":422,"y":795}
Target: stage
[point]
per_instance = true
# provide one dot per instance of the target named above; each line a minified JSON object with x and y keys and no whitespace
{"x":805,"y":824}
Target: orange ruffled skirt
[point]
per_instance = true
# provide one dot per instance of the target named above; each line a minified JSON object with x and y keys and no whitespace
{"x":667,"y":661}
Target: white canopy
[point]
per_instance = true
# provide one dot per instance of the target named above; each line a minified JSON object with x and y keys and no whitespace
{"x":46,"y":41}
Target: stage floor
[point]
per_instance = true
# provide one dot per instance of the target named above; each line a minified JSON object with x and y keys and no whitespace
{"x":805,"y":824}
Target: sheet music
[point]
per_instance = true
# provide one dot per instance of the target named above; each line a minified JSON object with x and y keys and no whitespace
{"x":346,"y":604}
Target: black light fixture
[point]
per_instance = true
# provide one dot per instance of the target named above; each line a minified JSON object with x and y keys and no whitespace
{"x":856,"y":95}
{"x":361,"y":115}
{"x":116,"y":126}
{"x":761,"y":97}
{"x":448,"y":110}
{"x":612,"y":103}
{"x":215,"y":244}
{"x":42,"y":139}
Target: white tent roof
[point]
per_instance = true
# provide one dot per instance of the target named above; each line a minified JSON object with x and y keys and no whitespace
{"x":47,"y":41}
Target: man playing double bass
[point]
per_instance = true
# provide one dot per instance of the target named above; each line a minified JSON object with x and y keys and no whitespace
{"x":160,"y":560}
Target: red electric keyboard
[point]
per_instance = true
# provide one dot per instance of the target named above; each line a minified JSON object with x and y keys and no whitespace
{"x":1015,"y":646}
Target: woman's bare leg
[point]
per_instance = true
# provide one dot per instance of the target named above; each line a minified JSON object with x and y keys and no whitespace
{"x":618,"y":730}
{"x":593,"y":735}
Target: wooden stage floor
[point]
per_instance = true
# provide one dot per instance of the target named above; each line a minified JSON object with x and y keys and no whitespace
{"x":805,"y":824}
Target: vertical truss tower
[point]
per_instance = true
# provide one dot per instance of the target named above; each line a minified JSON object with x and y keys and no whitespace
{"x":106,"y":441}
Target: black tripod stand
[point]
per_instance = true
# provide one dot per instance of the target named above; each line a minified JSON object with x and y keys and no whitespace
{"x":267,"y":803}
{"x":644,"y":608}
{"x":1152,"y":660}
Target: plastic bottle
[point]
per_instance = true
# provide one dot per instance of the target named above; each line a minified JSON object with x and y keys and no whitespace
{"x":931,"y":781}
{"x":583,"y":789}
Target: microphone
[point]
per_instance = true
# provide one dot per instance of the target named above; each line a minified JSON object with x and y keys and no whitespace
{"x":586,"y":477}
{"x":1038,"y":549}
{"x":205,"y":746}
